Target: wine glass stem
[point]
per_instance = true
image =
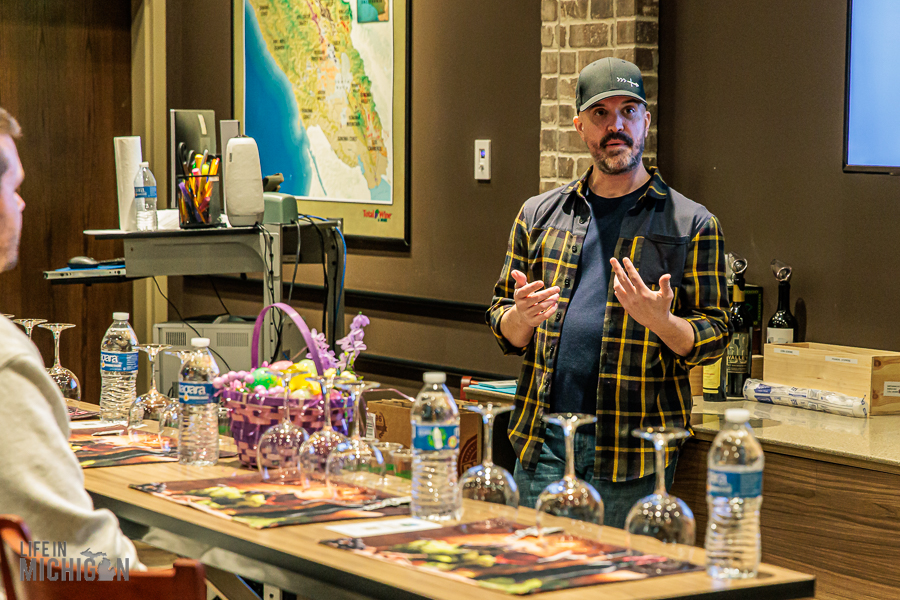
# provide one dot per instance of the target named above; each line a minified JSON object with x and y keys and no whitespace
{"x":56,"y":363}
{"x":488,"y":445}
{"x":287,"y":406}
{"x":357,"y":425}
{"x":569,"y":435}
{"x":660,"y":446}
{"x":152,"y":359}
{"x":326,"y":405}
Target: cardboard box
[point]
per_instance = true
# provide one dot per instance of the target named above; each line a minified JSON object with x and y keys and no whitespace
{"x":392,"y":424}
{"x":857,"y":372}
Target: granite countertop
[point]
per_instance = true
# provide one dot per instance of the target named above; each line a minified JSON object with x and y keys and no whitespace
{"x":872,"y":443}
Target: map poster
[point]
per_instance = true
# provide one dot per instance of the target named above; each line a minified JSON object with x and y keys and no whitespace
{"x":369,"y":11}
{"x":321,"y":85}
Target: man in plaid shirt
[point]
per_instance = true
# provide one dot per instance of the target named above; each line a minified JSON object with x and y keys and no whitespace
{"x":613,"y":287}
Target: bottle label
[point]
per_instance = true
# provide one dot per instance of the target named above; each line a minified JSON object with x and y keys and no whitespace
{"x":196,"y":393}
{"x":728,"y":484}
{"x":737,"y":358}
{"x":145,"y":191}
{"x":712,"y":377}
{"x":775,"y":335}
{"x":119,"y":361}
{"x":430,"y":438}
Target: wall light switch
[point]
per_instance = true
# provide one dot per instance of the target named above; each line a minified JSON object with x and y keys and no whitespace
{"x":483,"y":160}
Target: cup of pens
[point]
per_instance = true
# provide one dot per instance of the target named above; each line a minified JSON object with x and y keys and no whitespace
{"x":195,"y":195}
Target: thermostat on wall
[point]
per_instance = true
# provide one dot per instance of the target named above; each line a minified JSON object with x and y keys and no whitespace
{"x":483,"y":160}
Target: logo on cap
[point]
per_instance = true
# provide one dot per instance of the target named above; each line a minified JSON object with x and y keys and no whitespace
{"x":628,"y":81}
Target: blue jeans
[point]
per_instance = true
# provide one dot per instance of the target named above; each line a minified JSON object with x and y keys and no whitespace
{"x":618,"y":498}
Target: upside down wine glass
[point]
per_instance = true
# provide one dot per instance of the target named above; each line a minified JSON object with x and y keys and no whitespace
{"x":660,"y":515}
{"x":28,"y":324}
{"x":64,"y":378}
{"x":355,"y":460}
{"x":569,"y":497}
{"x":387,"y":449}
{"x":488,"y":482}
{"x":149,"y":406}
{"x":278,"y":451}
{"x":314,"y":451}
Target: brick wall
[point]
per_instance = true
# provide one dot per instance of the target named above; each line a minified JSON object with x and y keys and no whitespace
{"x":574,"y":34}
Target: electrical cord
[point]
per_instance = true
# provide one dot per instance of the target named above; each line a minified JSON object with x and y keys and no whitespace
{"x":216,"y":290}
{"x":269,"y":265}
{"x":290,"y":294}
{"x":340,"y":290}
{"x":324,"y":268}
{"x":182,"y":319}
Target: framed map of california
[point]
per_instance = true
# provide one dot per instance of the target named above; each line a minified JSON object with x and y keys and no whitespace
{"x":321,"y":85}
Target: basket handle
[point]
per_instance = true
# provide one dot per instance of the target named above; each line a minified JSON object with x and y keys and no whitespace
{"x":301,"y":325}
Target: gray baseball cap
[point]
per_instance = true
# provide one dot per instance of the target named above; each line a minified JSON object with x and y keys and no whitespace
{"x":605,"y":78}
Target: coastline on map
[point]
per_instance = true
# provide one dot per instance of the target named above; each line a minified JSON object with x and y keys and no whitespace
{"x":281,"y":149}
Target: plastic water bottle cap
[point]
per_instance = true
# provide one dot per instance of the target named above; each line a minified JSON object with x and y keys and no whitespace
{"x":145,"y":164}
{"x":200,"y":342}
{"x":434,"y":377}
{"x":737,"y":415}
{"x":120,"y":316}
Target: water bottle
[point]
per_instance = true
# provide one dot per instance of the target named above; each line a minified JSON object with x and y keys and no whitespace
{"x":198,"y":434}
{"x":435,"y":446}
{"x":118,"y":369}
{"x":734,"y":496}
{"x":145,"y":198}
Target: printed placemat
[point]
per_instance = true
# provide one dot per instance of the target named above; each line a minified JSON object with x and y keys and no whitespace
{"x":117,"y":450}
{"x":107,"y":446}
{"x":262,"y":504}
{"x":509,"y":557}
{"x":76,"y":414}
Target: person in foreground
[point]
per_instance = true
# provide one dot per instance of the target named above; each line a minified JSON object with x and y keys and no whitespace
{"x":40,"y":478}
{"x":613,"y":287}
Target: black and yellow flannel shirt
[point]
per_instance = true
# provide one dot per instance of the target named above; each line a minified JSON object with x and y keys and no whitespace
{"x":642,"y":382}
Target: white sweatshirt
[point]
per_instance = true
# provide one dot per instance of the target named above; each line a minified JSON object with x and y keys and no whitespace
{"x":40,"y":478}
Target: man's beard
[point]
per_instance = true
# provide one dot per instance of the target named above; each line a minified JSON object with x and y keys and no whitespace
{"x":622,"y":162}
{"x":9,"y":250}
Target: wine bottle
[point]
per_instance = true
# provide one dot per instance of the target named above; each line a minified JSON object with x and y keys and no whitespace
{"x":737,"y":357}
{"x":714,"y":382}
{"x":782,"y":327}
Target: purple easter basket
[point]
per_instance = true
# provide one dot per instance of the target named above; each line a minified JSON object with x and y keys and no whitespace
{"x":252,"y":414}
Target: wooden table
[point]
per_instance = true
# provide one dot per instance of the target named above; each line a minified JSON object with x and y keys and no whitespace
{"x":292,"y":559}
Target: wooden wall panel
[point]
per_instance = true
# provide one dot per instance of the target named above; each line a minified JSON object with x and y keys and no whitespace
{"x":65,"y":74}
{"x":838,"y":522}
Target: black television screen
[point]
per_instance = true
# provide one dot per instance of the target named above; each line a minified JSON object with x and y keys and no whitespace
{"x":872,"y":102}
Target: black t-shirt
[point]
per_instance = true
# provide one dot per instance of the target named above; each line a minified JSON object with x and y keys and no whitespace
{"x":577,"y":371}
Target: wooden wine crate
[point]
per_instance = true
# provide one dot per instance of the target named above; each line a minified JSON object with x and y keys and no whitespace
{"x":858,"y":372}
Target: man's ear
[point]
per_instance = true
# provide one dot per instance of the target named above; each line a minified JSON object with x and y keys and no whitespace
{"x":578,"y":124}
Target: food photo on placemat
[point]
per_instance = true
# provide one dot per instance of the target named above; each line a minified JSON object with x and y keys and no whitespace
{"x":262,"y":504}
{"x":509,"y":557}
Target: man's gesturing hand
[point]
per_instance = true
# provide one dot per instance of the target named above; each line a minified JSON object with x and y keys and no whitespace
{"x":534,"y":305}
{"x":649,"y":308}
